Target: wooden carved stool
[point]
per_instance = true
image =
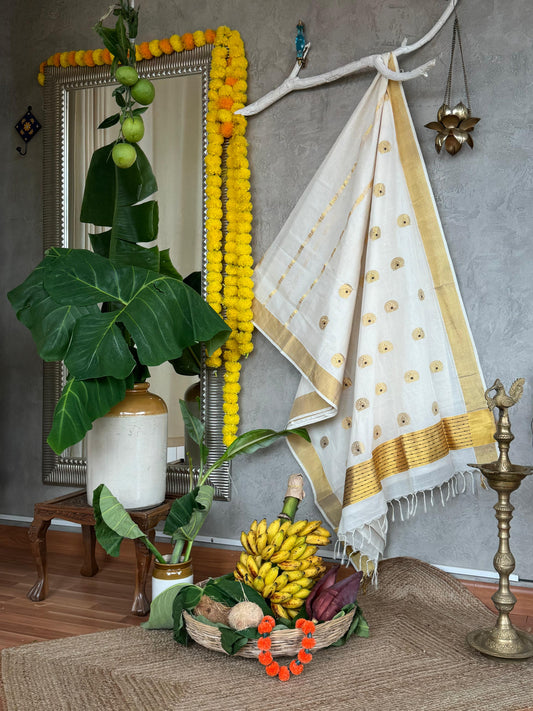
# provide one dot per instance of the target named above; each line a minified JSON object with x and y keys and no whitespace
{"x":74,"y":507}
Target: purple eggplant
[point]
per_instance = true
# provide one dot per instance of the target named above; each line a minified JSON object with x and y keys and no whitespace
{"x":325,"y":582}
{"x":331,"y":600}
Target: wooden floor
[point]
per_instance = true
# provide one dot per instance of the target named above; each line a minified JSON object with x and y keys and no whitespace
{"x":79,"y":605}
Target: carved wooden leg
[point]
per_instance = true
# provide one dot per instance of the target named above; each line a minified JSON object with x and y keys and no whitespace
{"x":90,"y":566}
{"x":37,"y":536}
{"x":141,"y":606}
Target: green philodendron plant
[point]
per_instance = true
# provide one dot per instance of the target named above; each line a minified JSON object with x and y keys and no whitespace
{"x":110,"y":313}
{"x":188,"y":513}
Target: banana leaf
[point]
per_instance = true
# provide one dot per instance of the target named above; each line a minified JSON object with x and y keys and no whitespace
{"x":163,"y":315}
{"x":80,"y":404}
{"x":188,"y":513}
{"x":113,"y":522}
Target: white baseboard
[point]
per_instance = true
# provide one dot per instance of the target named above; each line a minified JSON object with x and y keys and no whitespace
{"x":60,"y":525}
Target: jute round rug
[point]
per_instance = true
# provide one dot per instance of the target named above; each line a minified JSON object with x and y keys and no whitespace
{"x":416,"y":659}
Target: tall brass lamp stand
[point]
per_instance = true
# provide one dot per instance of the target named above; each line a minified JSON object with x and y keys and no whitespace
{"x":503,"y":640}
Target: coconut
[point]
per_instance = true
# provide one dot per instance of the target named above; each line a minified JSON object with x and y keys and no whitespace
{"x":245,"y":614}
{"x":212,"y":610}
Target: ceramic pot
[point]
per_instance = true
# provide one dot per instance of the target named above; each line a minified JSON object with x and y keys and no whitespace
{"x":164,"y":575}
{"x":127,"y":450}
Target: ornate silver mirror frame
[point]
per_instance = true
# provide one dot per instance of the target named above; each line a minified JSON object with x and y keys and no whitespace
{"x":62,"y":470}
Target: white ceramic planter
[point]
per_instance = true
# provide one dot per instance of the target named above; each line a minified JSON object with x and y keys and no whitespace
{"x":127,"y":450}
{"x":166,"y":575}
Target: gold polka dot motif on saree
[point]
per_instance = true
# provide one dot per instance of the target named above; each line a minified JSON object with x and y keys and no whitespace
{"x":345,"y":291}
{"x":381,"y":388}
{"x":362,"y":403}
{"x":371,"y":276}
{"x":403,"y":419}
{"x":391,"y":306}
{"x":377,"y":432}
{"x":411,"y":376}
{"x":384,"y":147}
{"x":436,"y":366}
{"x":364,"y":361}
{"x":324,"y":320}
{"x":347,"y":383}
{"x":337,"y":360}
{"x":421,"y":294}
{"x":379,"y":190}
{"x":385,"y":347}
{"x":324,"y":441}
{"x":418,"y":334}
{"x":347,"y":423}
{"x":357,"y":448}
{"x":397,"y":263}
{"x":375,"y":233}
{"x":368,"y":319}
{"x":435,"y":408}
{"x":403,"y":220}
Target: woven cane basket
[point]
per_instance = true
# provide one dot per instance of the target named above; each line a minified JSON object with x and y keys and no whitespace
{"x":284,"y":642}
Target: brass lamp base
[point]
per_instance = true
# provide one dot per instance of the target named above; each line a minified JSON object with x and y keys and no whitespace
{"x":503,"y":640}
{"x":513,"y":644}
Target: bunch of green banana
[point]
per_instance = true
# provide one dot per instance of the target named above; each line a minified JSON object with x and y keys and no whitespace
{"x":279,"y":560}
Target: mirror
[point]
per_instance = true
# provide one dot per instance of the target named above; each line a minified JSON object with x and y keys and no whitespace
{"x":76,"y":101}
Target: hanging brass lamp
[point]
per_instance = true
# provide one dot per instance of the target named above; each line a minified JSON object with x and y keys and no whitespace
{"x":454,"y":126}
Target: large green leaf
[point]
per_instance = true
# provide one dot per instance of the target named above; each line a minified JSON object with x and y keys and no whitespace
{"x":253,"y":440}
{"x":163,"y":315}
{"x":188,"y":513}
{"x":113,"y":522}
{"x":50,"y":323}
{"x":108,"y":187}
{"x":136,"y":223}
{"x":82,"y":402}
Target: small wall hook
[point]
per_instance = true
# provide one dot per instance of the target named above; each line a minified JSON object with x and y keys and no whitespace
{"x":27,"y":127}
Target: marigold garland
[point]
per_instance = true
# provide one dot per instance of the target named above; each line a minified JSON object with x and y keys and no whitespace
{"x":229,"y":254}
{"x":296,"y":665}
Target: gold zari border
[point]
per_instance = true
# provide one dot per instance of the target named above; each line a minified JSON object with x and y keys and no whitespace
{"x":417,"y":449}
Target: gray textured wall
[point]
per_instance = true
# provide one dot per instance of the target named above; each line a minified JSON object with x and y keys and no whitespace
{"x":484,"y":198}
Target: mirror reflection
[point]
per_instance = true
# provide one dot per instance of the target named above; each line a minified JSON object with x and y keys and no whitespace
{"x":173,"y":145}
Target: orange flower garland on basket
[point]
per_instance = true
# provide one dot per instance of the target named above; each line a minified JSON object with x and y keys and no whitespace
{"x":296,"y":665}
{"x":229,"y":253}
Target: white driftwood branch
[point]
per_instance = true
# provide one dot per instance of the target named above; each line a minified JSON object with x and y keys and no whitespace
{"x":294,"y":83}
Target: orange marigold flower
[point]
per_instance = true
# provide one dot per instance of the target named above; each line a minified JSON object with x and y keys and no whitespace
{"x":210,"y":36}
{"x":226,"y":129}
{"x":144,"y":49}
{"x":304,"y":657}
{"x":188,"y":40}
{"x":225,"y":102}
{"x":42,"y":65}
{"x":106,"y":56}
{"x":295,"y":667}
{"x":284,"y":674}
{"x":272,"y":669}
{"x":264,"y":644}
{"x":166,"y":46}
{"x":88,"y":58}
{"x":308,"y":642}
{"x":265,"y":658}
{"x":57,"y":59}
{"x":231,"y":81}
{"x":307,"y":626}
{"x":269,"y":620}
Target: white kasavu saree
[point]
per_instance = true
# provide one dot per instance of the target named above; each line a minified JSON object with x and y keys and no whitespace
{"x":358,"y":292}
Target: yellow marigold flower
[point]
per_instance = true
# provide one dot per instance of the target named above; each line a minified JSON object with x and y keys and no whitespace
{"x":98,"y":57}
{"x":247,"y":348}
{"x":155,"y":49}
{"x":50,"y":61}
{"x":63,"y":59}
{"x":230,"y":408}
{"x":80,"y":61}
{"x":176,"y":43}
{"x":199,"y":38}
{"x":40,"y":78}
{"x":138,"y":55}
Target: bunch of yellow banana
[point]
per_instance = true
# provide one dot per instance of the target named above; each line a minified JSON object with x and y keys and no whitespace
{"x":279,"y":561}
